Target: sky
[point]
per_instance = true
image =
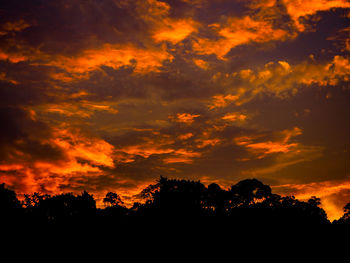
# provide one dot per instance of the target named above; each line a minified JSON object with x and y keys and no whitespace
{"x":109,"y":95}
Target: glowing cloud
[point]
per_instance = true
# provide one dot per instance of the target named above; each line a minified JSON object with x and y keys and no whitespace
{"x":234,"y":117}
{"x":201,"y":64}
{"x":280,"y":79}
{"x":186,"y":117}
{"x":301,"y":8}
{"x":262,"y":149}
{"x":113,"y":56}
{"x":174,"y":31}
{"x":334,"y":194}
{"x":83,"y":157}
{"x":238,"y":31}
{"x":220,"y":101}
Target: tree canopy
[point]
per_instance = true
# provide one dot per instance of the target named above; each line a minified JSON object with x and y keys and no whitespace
{"x":248,"y":202}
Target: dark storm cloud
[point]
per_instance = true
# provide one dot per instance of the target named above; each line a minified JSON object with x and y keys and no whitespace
{"x":206,"y":11}
{"x":24,"y":84}
{"x":22,"y":136}
{"x":67,"y":27}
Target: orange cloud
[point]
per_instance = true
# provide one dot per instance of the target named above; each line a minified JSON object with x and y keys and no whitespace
{"x":236,"y":116}
{"x":282,"y":151}
{"x":271,"y":147}
{"x":235,"y":32}
{"x":94,"y":150}
{"x":159,"y":145}
{"x":201,"y":143}
{"x":152,"y":10}
{"x":145,"y":150}
{"x":220,"y":101}
{"x":186,"y":117}
{"x":201,"y":64}
{"x":301,"y":8}
{"x":185,"y":136}
{"x":262,"y":149}
{"x":83,"y":157}
{"x":280,"y":79}
{"x":81,"y":109}
{"x":149,"y":148}
{"x":334,"y":194}
{"x":17,"y":52}
{"x":12,"y":57}
{"x":174,"y":31}
{"x":114,"y":56}
{"x":15,"y":26}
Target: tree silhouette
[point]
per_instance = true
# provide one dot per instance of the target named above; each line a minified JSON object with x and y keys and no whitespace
{"x":115,"y":209}
{"x":60,"y":208}
{"x":216,"y":200}
{"x":249,"y":202}
{"x":10,"y":206}
{"x":346,"y":215}
{"x":113,"y":199}
{"x":345,"y":219}
{"x":174,"y":198}
{"x":249,"y":192}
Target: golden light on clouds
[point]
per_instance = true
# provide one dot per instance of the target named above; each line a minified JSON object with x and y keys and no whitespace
{"x":186,"y":117}
{"x":261,"y":149}
{"x":114,"y":57}
{"x":237,"y":31}
{"x":223,"y":100}
{"x":332,"y":194}
{"x":174,"y":31}
{"x":234,"y":117}
{"x":299,"y":8}
{"x":82,"y":155}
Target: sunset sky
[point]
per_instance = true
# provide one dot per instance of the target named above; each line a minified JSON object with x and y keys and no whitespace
{"x":107,"y":95}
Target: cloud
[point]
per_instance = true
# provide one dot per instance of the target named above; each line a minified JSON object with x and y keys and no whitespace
{"x":142,"y":60}
{"x":222,"y":100}
{"x":297,"y":9}
{"x":201,"y":64}
{"x":236,"y":116}
{"x":186,"y":117}
{"x":80,"y":109}
{"x":334,"y":194}
{"x":38,"y":157}
{"x":12,"y":27}
{"x":235,"y":32}
{"x":279,"y":79}
{"x":262,"y":149}
{"x":174,"y":31}
{"x":281,"y":152}
{"x":23,"y":134}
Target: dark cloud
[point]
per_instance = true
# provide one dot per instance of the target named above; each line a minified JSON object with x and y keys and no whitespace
{"x":22,"y":135}
{"x":67,"y":27}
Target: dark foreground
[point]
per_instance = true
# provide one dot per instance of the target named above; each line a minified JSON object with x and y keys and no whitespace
{"x":170,"y":206}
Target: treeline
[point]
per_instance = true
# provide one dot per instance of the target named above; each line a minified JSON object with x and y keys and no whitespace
{"x":171,"y":200}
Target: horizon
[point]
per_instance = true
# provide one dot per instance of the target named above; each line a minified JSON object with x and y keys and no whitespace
{"x":106,"y":96}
